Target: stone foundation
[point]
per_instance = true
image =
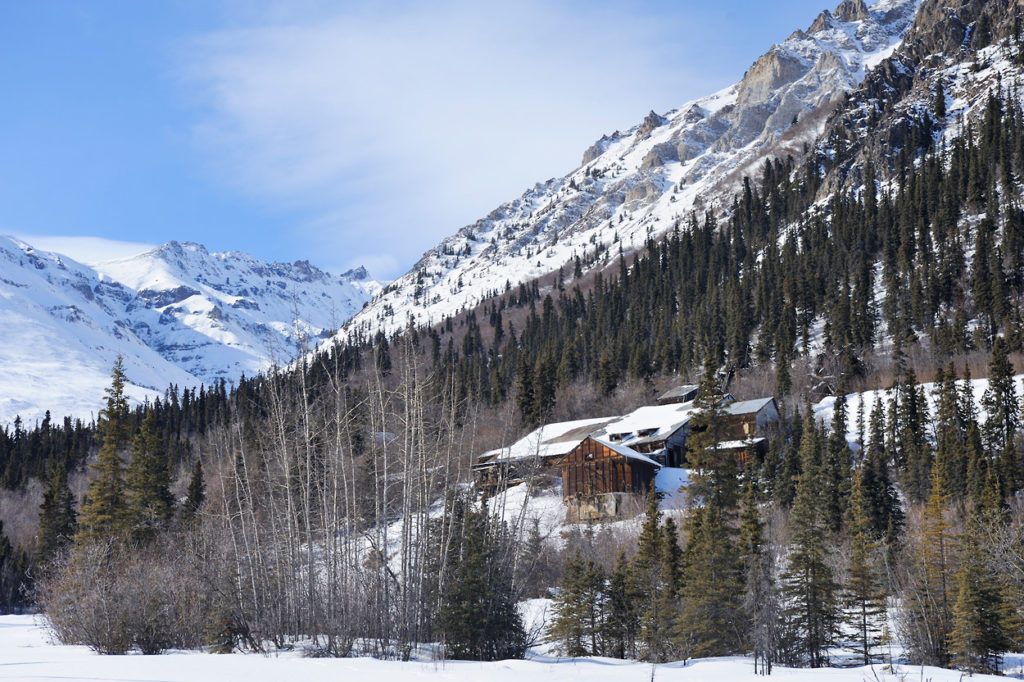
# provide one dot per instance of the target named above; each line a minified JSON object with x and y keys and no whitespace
{"x":602,"y":507}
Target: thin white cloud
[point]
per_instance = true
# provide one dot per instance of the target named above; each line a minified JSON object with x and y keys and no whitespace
{"x":86,"y":250}
{"x":393,"y":127}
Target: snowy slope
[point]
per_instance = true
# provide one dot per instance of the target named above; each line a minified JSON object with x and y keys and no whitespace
{"x":178,"y":314}
{"x":637,"y":184}
{"x":824,"y":410}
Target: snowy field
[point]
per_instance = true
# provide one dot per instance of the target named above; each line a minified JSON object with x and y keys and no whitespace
{"x":26,"y":653}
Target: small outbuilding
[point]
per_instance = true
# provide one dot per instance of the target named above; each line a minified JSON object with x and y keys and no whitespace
{"x":679,"y":394}
{"x":748,"y":418}
{"x":744,"y":450}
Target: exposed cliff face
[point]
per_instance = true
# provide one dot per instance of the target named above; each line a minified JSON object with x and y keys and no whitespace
{"x":776,"y":68}
{"x":636,"y":184}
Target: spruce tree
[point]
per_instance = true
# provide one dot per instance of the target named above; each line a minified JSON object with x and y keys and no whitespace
{"x":882,"y":501}
{"x":479,"y":618}
{"x":196,"y":493}
{"x":978,"y":469}
{"x":594,"y":580}
{"x":836,"y":472}
{"x":864,"y":596}
{"x":789,"y":471}
{"x":1002,"y":404}
{"x":569,"y":625}
{"x":648,"y":570}
{"x":669,"y":586}
{"x":525,"y":396}
{"x":709,"y":623}
{"x":104,"y":512}
{"x":977,"y":638}
{"x":649,"y":542}
{"x":808,"y":582}
{"x":714,"y":475}
{"x":760,"y":596}
{"x":709,"y":620}
{"x":57,"y":518}
{"x":949,"y":435}
{"x":911,"y":447}
{"x":150,"y":503}
{"x":623,"y":598}
{"x":939,"y":107}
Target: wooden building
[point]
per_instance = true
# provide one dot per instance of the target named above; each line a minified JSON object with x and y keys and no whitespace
{"x":595,"y":466}
{"x":661,"y":431}
{"x":749,"y":418}
{"x":658,"y":431}
{"x":743,"y":450}
{"x":536,"y":454}
{"x":601,"y":479}
{"x":679,"y":394}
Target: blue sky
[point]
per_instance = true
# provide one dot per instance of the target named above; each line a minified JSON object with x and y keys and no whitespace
{"x":344,"y":133}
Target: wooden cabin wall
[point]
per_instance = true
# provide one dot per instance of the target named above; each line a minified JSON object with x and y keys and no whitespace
{"x":594,"y":469}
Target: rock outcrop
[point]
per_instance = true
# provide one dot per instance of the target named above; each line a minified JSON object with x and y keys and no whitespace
{"x":851,"y":10}
{"x":650,"y":122}
{"x":893,"y":104}
{"x":768,"y":73}
{"x":822,"y":23}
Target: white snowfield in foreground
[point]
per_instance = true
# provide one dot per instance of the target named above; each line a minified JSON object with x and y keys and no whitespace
{"x":27,"y":654}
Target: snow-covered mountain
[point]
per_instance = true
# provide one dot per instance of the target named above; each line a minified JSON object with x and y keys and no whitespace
{"x":637,"y":184}
{"x":177,"y":314}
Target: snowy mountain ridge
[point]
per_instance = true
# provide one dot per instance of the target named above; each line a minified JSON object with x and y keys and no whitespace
{"x":178,"y":314}
{"x":638,"y":184}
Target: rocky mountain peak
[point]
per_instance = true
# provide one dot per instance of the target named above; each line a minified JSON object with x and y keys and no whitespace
{"x":356,"y":274}
{"x":851,"y":10}
{"x":822,"y":23}
{"x":598,"y":148}
{"x":177,"y":313}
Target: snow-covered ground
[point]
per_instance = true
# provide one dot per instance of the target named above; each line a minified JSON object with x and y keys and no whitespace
{"x":26,"y":653}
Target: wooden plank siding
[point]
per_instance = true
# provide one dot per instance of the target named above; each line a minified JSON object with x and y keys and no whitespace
{"x":593,"y":468}
{"x":739,"y":426}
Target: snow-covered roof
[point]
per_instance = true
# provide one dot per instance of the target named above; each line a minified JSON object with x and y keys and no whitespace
{"x":678,"y":392}
{"x":625,"y":451}
{"x":740,"y":444}
{"x":747,"y":406}
{"x":649,"y":423}
{"x":550,"y":440}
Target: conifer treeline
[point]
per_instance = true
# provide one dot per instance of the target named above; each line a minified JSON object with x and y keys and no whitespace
{"x":181,"y":416}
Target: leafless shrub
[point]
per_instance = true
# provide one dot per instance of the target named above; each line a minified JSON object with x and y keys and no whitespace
{"x":83,"y":602}
{"x":112,"y":598}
